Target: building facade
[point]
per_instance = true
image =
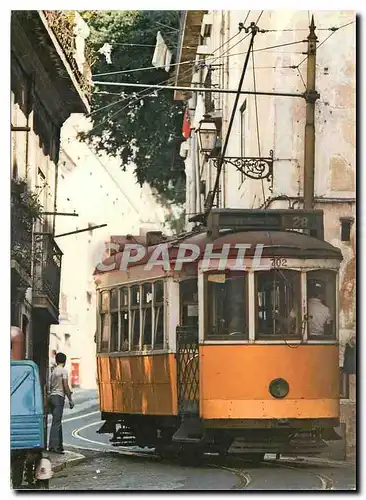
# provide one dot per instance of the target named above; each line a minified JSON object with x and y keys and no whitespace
{"x":99,"y":192}
{"x":213,"y":49}
{"x":48,"y":83}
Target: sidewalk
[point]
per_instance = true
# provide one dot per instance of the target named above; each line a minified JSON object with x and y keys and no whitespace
{"x":59,"y":462}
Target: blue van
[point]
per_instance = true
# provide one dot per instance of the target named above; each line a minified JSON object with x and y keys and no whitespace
{"x":26,"y":426}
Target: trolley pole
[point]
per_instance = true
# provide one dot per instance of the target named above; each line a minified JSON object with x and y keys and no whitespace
{"x":311,"y":95}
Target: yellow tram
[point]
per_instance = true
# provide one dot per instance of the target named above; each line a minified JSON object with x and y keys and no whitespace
{"x":224,"y":339}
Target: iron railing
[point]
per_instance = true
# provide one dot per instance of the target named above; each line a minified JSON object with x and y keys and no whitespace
{"x":21,"y":236}
{"x":187,"y":369}
{"x":47,"y":267}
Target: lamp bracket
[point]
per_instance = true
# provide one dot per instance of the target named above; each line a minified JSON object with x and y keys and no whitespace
{"x":251,"y":166}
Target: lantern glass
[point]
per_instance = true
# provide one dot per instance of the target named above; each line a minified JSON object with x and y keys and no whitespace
{"x":207,"y":135}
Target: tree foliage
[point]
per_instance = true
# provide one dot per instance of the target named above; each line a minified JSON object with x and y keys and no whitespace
{"x":143,"y":126}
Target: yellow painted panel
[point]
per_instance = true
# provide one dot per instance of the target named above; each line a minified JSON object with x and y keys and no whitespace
{"x":294,"y":408}
{"x":138,"y":384}
{"x":234,"y":379}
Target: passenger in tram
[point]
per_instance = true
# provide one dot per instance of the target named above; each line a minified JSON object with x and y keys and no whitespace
{"x":319,"y":315}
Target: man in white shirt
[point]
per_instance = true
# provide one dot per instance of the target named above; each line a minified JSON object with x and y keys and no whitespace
{"x":59,"y":387}
{"x":319,"y":315}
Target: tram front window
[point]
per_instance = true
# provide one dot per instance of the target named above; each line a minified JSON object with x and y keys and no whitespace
{"x":278,"y":304}
{"x":321,"y":300}
{"x":227,"y":306}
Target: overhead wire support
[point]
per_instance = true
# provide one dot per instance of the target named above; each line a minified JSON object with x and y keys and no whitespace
{"x":198,"y":89}
{"x":238,"y":92}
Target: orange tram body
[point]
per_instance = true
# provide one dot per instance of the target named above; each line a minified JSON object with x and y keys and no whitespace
{"x":204,"y":355}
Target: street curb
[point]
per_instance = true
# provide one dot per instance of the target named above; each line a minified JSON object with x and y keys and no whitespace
{"x":318,"y":461}
{"x":68,"y":463}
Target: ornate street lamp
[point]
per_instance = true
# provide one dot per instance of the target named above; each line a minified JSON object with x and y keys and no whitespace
{"x":207,"y":134}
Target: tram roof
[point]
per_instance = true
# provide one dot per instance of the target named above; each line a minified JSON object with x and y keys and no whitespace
{"x":275,"y":243}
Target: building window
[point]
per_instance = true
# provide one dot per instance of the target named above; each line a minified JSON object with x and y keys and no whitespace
{"x":124,"y":317}
{"x":113,"y":347}
{"x":67,"y":340}
{"x":88,"y":297}
{"x":135,"y":316}
{"x":321,"y":302}
{"x":278,"y":304}
{"x":243,"y":118}
{"x":227,"y":311}
{"x":346,"y":224}
{"x":146,"y":315}
{"x":159,"y":315}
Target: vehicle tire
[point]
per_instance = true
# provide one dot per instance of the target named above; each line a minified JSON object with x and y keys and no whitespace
{"x":17,"y":469}
{"x":43,"y":485}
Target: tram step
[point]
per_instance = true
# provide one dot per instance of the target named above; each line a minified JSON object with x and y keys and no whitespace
{"x":190,"y":431}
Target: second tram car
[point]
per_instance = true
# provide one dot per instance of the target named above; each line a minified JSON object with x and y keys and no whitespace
{"x":227,"y":341}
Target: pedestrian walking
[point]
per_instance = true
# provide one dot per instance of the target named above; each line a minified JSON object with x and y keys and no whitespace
{"x":59,"y":388}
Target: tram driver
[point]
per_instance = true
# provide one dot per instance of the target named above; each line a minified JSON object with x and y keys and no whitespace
{"x":319,"y":315}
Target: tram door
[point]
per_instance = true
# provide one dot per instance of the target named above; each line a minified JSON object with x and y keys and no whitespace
{"x":187,"y":349}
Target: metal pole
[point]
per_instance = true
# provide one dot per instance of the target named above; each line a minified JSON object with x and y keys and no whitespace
{"x":310,"y":96}
{"x":199,"y":89}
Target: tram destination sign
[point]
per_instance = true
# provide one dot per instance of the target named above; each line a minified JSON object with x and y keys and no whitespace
{"x":275,"y":220}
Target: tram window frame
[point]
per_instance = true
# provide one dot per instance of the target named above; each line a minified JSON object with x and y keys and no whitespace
{"x":104,"y":315}
{"x":114,"y":314}
{"x":135,"y":309}
{"x":124,"y":309}
{"x":159,"y":314}
{"x":210,"y":307}
{"x":327,"y":278}
{"x":146,"y":307}
{"x":282,"y":335}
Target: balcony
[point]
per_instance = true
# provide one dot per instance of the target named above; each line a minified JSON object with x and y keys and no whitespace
{"x":62,"y":23}
{"x":54,"y":42}
{"x":23,"y":211}
{"x":46,"y":276}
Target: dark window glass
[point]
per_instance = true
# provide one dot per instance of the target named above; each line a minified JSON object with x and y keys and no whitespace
{"x":159,"y":315}
{"x":278,"y":304}
{"x":189,"y":302}
{"x":114,"y":332}
{"x":227,"y":305}
{"x":114,"y":299}
{"x":104,"y":332}
{"x":124,"y":330}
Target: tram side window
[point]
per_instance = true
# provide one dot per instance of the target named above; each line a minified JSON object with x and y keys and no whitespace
{"x":278,"y":304}
{"x":159,"y":315}
{"x":189,"y":302}
{"x":113,"y":346}
{"x":124,"y":315}
{"x":104,"y":322}
{"x":135,"y":316}
{"x":146,"y":315}
{"x":321,"y":299}
{"x":226,"y":306}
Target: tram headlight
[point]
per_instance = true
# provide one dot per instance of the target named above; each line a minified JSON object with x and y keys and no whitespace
{"x":279,"y":388}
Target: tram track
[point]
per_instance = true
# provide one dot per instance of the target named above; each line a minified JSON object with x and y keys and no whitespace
{"x":238,"y":468}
